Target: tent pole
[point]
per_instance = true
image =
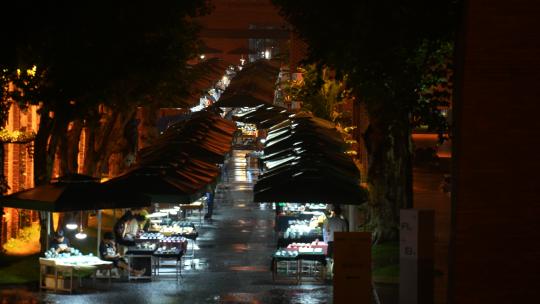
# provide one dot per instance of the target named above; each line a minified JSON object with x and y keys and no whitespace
{"x":48,"y":229}
{"x":98,"y":232}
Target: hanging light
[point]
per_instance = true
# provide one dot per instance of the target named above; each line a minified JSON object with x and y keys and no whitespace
{"x":71,"y":224}
{"x":81,"y":235}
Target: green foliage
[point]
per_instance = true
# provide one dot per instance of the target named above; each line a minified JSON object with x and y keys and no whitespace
{"x":27,"y":237}
{"x":19,"y":269}
{"x":318,"y":92}
{"x":375,"y":43}
{"x":435,"y":87}
{"x":385,"y":259}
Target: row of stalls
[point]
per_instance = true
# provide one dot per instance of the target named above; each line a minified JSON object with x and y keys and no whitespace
{"x":304,"y":169}
{"x":304,"y":163}
{"x":174,"y":177}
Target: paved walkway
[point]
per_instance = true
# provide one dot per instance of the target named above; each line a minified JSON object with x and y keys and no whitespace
{"x":232,"y":264}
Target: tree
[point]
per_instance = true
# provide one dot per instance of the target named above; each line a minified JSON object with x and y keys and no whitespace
{"x":96,"y":63}
{"x":384,"y":48}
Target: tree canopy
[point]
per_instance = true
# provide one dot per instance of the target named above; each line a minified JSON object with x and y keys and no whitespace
{"x":392,"y":54}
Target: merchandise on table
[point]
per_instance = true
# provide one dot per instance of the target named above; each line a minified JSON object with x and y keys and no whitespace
{"x":301,"y":228}
{"x":313,"y":247}
{"x":170,"y":228}
{"x":146,"y":245}
{"x":80,"y":260}
{"x":286,"y":254}
{"x":51,"y":253}
{"x":168,"y":251}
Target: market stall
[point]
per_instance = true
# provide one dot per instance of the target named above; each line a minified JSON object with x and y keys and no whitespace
{"x":169,"y":223}
{"x":151,"y":248}
{"x":304,"y":161}
{"x":56,"y":272}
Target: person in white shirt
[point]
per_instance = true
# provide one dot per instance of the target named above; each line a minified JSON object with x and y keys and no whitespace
{"x":334,"y":223}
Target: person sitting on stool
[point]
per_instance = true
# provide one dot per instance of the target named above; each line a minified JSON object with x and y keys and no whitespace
{"x":107,"y":252}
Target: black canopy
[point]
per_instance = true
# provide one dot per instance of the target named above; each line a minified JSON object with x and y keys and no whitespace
{"x":73,"y":193}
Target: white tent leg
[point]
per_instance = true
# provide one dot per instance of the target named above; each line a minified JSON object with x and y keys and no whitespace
{"x":48,"y":229}
{"x":98,"y":232}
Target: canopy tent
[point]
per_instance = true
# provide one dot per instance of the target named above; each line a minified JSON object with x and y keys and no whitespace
{"x":182,"y":164}
{"x":163,"y":184}
{"x":305,"y":162}
{"x":263,"y":114}
{"x":308,"y":185}
{"x":242,"y":100}
{"x":252,"y":86}
{"x":73,"y":193}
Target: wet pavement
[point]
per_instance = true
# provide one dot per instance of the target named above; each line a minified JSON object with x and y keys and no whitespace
{"x":231,"y":264}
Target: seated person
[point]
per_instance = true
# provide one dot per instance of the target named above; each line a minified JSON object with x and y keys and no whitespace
{"x":60,"y":244}
{"x":107,"y":252}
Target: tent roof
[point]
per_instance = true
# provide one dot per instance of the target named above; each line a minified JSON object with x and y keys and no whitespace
{"x":73,"y":196}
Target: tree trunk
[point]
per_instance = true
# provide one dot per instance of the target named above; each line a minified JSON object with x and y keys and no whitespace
{"x":98,"y":138}
{"x":73,"y":139}
{"x":107,"y":140}
{"x":148,"y":126}
{"x":63,"y":154}
{"x":45,"y":147}
{"x":389,"y":174}
{"x":3,"y":190}
{"x":89,"y":154}
{"x":114,"y":154}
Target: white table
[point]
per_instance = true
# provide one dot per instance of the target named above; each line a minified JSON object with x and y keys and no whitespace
{"x":62,"y":268}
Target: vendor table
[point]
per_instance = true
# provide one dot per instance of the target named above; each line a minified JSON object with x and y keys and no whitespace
{"x":282,"y":221}
{"x":56,"y":272}
{"x":299,"y":268}
{"x":194,"y":206}
{"x":308,"y":238}
{"x":140,"y":258}
{"x":174,"y":254}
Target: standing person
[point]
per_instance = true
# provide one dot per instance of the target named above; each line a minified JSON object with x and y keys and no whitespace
{"x":334,"y":223}
{"x":209,"y":203}
{"x":108,"y":252}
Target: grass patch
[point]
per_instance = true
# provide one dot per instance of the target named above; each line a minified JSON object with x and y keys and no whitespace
{"x":386,"y":262}
{"x":19,"y":269}
{"x":388,"y":274}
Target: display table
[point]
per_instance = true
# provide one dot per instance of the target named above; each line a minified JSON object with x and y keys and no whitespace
{"x":298,"y":267}
{"x":174,"y":254}
{"x":57,"y":273}
{"x":194,"y":206}
{"x":308,"y":238}
{"x":282,"y":220}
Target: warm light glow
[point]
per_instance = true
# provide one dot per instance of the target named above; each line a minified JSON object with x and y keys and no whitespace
{"x":202,"y":56}
{"x":81,"y":235}
{"x":30,"y":72}
{"x":267,"y":54}
{"x":71,"y":226}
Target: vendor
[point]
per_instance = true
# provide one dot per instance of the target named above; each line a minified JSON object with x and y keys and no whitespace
{"x":108,"y":252}
{"x":128,"y":226}
{"x":60,"y":243}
